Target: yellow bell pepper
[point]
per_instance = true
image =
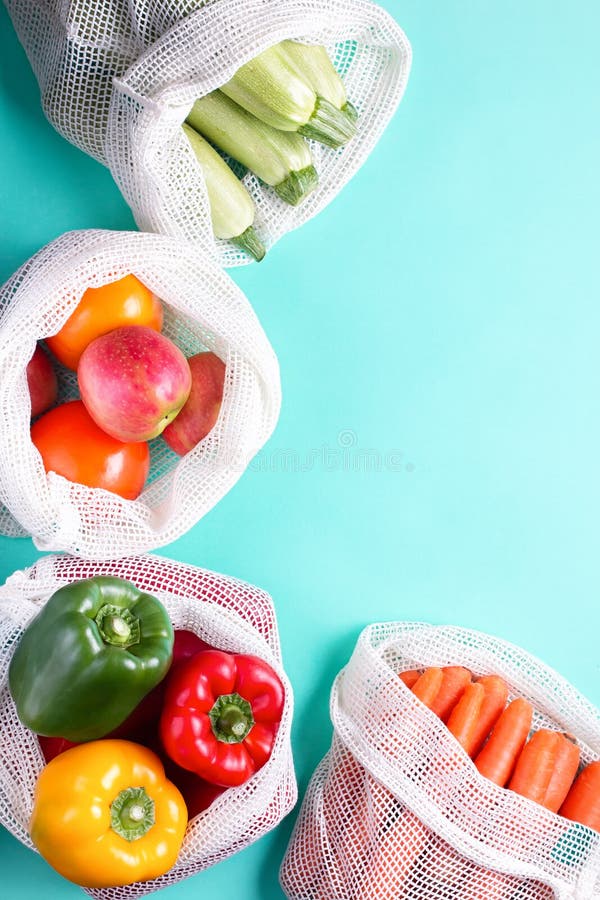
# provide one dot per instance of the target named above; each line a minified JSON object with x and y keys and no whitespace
{"x":105,"y":815}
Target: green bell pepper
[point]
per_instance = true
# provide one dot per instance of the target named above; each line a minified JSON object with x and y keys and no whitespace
{"x":89,"y":657}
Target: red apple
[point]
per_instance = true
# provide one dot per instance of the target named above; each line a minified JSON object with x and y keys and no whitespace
{"x":201,"y":411}
{"x":41,"y":381}
{"x":133,"y":382}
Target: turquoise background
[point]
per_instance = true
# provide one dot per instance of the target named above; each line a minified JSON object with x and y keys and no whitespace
{"x":445,"y":306}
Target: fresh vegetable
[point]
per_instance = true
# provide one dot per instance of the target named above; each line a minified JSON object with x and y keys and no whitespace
{"x":201,"y":410}
{"x":102,"y":309}
{"x":583,"y":800}
{"x":477,"y":712}
{"x":410,"y":677}
{"x":272,"y":89}
{"x":231,"y":206}
{"x":197,"y":793}
{"x":41,"y":382}
{"x":88,"y":658}
{"x":546,"y":768}
{"x":499,"y":756}
{"x":428,"y":685}
{"x":104,"y":815}
{"x":349,"y":809}
{"x":314,"y":63}
{"x":133,"y":382}
{"x":565,"y":770}
{"x":398,"y":849}
{"x":485,"y":884}
{"x":441,"y":869}
{"x":141,"y":725}
{"x":221,"y":715}
{"x":495,"y":697}
{"x":72,"y":445}
{"x":279,"y":158}
{"x":463,"y":721}
{"x":454,"y":683}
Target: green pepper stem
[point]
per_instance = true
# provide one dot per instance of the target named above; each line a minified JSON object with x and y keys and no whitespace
{"x":118,"y":626}
{"x":231,"y":718}
{"x":132,"y":813}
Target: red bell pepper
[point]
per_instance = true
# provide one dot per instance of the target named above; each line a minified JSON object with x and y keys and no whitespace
{"x":221,"y":714}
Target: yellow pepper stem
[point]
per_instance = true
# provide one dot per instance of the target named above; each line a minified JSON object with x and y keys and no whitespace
{"x":132,"y":813}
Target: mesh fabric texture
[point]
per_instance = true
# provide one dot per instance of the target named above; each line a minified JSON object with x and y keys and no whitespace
{"x":118,"y":78}
{"x":222,"y":611}
{"x":398,"y":811}
{"x":204,"y":310}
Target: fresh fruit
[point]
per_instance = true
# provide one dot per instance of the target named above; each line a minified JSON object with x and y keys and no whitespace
{"x":100,"y":310}
{"x":72,"y":445}
{"x":41,"y":381}
{"x":133,"y":382}
{"x":201,"y":410}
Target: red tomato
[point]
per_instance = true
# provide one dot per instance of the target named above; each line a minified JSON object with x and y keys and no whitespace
{"x":72,"y":445}
{"x":102,"y":309}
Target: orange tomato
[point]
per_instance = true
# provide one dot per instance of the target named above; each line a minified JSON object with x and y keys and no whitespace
{"x":72,"y":445}
{"x":100,"y":310}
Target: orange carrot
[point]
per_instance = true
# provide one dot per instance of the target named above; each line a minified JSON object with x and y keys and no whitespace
{"x":410,"y":677}
{"x":544,"y":770}
{"x":440,"y":866}
{"x":535,"y":765}
{"x":498,"y":758}
{"x":464,"y":718}
{"x":486,"y":884}
{"x":583,"y":800}
{"x":396,"y":853}
{"x":428,"y":685}
{"x":454,"y":682}
{"x":494,"y":701}
{"x":563,"y":776}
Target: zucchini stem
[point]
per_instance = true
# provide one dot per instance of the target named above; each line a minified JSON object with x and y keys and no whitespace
{"x":249,"y":241}
{"x":297,"y":185}
{"x":328,"y":125}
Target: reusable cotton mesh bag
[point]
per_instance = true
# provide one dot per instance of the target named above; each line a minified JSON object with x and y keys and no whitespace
{"x":223,"y":612}
{"x":118,"y":78}
{"x":397,"y":810}
{"x":204,"y":310}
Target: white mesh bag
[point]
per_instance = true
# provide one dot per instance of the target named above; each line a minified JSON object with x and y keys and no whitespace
{"x":222,"y":611}
{"x":118,"y":78}
{"x":397,"y":810}
{"x":204,"y":309}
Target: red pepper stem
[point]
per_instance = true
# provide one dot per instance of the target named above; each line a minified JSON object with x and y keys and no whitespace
{"x":231,"y":718}
{"x":132,"y":813}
